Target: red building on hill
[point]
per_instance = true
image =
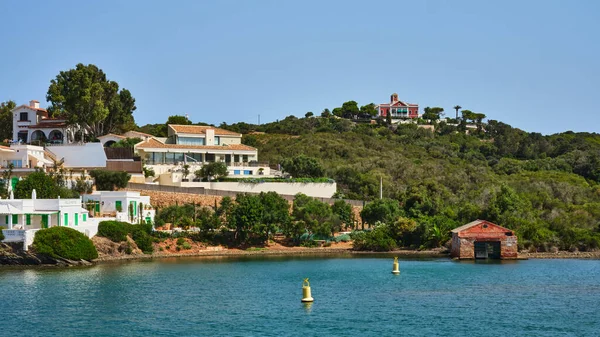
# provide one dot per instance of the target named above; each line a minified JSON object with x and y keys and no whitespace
{"x":398,"y":109}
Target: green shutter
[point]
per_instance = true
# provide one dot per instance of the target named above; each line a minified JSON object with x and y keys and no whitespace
{"x":84,"y":217}
{"x":45,"y":221}
{"x":118,"y":205}
{"x":76,"y":219}
{"x":6,"y":219}
{"x":15,"y":219}
{"x":135,"y":210}
{"x":28,"y":219}
{"x":66,"y":222}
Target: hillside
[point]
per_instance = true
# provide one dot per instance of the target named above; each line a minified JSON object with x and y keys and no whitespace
{"x":545,"y":187}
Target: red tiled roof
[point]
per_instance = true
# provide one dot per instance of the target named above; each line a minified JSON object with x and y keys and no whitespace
{"x":29,"y":107}
{"x":152,"y":143}
{"x":47,"y":125}
{"x":201,"y":129}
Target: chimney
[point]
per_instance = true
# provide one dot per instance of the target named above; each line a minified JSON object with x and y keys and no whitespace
{"x":394,"y":98}
{"x":34,"y":104}
{"x":210,"y":137}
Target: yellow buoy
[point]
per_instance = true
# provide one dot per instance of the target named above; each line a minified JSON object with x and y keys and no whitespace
{"x":396,"y":269}
{"x":306,"y":295}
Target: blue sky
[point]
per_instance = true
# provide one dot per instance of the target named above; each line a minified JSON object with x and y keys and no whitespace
{"x":532,"y":64}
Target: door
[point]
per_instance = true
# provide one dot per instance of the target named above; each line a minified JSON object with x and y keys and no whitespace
{"x":97,"y":206}
{"x":44,"y":220}
{"x":487,"y":249}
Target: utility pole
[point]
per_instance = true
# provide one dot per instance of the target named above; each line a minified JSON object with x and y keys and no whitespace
{"x":258,"y":119}
{"x":380,"y":187}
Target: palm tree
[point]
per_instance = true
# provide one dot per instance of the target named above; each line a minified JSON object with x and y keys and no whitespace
{"x":458,"y":107}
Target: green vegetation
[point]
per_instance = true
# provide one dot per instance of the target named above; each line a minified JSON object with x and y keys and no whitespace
{"x":254,"y":219}
{"x":6,"y":120}
{"x":212,"y":171}
{"x":64,"y":242}
{"x":47,"y":186}
{"x":117,"y":231}
{"x":85,"y":96}
{"x":127,"y":142}
{"x":544,"y":187}
{"x":302,"y":167}
{"x":109,"y":180}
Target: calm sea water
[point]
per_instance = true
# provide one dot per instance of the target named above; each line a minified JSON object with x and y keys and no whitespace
{"x":261,"y":297}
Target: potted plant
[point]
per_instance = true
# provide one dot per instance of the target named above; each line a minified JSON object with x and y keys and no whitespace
{"x":186,"y":173}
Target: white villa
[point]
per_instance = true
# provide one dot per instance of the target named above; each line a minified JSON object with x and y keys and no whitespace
{"x":196,"y":145}
{"x":23,"y":217}
{"x":118,"y":204}
{"x":32,"y":124}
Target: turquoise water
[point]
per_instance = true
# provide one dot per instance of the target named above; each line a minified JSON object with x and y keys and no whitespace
{"x":261,"y":297}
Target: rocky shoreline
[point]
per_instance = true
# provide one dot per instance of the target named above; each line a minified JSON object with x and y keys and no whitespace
{"x":13,"y":257}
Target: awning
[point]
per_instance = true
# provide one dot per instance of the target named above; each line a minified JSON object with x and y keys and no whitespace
{"x":40,"y":159}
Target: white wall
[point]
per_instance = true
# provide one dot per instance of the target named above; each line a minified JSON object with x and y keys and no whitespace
{"x":318,"y":190}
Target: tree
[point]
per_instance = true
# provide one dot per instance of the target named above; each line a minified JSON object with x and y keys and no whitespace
{"x":247,"y":214}
{"x":127,"y":142}
{"x":433,"y":114}
{"x":326,"y":113}
{"x":186,"y":171}
{"x":302,"y":167}
{"x":368,"y":110}
{"x":45,"y":187}
{"x":276,"y":213}
{"x":308,"y":114}
{"x":148,"y":172}
{"x":110,"y":180}
{"x":212,"y":170}
{"x":468,"y":115}
{"x":84,"y":96}
{"x":457,"y":107}
{"x":383,"y":210}
{"x":337,"y":112}
{"x":344,"y":212}
{"x":6,"y":120}
{"x":314,"y":216}
{"x":178,"y":120}
{"x":349,"y":109}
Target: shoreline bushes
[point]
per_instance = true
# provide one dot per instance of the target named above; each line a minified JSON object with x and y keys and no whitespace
{"x":64,"y":242}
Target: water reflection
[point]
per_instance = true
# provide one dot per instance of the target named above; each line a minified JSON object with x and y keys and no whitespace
{"x":307,"y":307}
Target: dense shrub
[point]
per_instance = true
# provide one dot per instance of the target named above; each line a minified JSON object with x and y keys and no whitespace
{"x":1,"y":233}
{"x":64,"y":242}
{"x":110,"y":180}
{"x":116,"y":231}
{"x":378,"y":240}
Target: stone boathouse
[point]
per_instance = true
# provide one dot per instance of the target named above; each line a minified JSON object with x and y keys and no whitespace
{"x":482,"y":239}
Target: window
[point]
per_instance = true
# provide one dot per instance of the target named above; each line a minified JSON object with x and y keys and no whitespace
{"x":28,"y":219}
{"x":66,"y":217}
{"x":76,"y":219}
{"x":217,"y":140}
{"x":236,"y":172}
{"x":169,"y":158}
{"x":17,"y":163}
{"x":15,"y":219}
{"x":245,"y":158}
{"x":210,"y":157}
{"x":178,"y":157}
{"x":84,"y":217}
{"x":23,"y":117}
{"x":247,"y":172}
{"x":159,"y":157}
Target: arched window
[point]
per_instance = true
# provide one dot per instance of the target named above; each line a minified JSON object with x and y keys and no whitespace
{"x":38,"y":135}
{"x":55,"y":136}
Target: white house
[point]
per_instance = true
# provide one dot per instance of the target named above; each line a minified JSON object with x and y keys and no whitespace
{"x":23,"y":157}
{"x":32,"y":124}
{"x":23,"y":217}
{"x":120,"y":204}
{"x":197,"y":145}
